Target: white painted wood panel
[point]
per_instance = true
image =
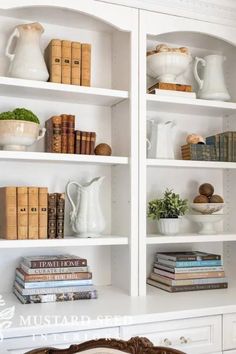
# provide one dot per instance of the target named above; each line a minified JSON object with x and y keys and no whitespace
{"x":229,"y":331}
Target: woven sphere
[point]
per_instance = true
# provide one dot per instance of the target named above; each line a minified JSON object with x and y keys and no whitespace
{"x":103,"y":149}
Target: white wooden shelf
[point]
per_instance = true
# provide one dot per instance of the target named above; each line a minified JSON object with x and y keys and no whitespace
{"x":60,"y":92}
{"x":153,"y":239}
{"x":62,"y":158}
{"x":66,"y":242}
{"x":191,"y":106}
{"x":190,"y":164}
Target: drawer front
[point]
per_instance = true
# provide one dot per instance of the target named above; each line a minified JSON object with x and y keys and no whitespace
{"x":59,"y":340}
{"x":192,"y":336}
{"x":229,"y":331}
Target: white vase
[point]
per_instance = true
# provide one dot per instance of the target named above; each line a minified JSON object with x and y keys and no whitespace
{"x":27,"y":62}
{"x":86,"y":216}
{"x":168,"y":226}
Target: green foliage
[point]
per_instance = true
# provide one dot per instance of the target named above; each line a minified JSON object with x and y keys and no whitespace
{"x":170,"y":206}
{"x":20,"y":114}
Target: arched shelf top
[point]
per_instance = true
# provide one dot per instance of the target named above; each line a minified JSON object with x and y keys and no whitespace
{"x":86,"y":14}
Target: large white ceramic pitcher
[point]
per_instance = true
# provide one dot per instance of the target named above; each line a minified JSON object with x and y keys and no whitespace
{"x":212,"y":86}
{"x":160,"y":144}
{"x":27,"y":62}
{"x":86,"y":216}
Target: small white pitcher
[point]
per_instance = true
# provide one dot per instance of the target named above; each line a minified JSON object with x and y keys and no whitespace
{"x":160,"y":144}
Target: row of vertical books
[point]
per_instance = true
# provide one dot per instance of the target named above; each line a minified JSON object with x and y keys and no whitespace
{"x":69,"y":62}
{"x":41,"y":279}
{"x":225,"y":145}
{"x":187,"y":271}
{"x":31,"y":213}
{"x":61,"y":136}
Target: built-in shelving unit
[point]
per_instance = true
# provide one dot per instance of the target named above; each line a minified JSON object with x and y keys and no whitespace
{"x":188,"y":238}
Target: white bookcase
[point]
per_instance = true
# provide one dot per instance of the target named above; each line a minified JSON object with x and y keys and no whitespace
{"x":190,"y":116}
{"x":108,"y":107}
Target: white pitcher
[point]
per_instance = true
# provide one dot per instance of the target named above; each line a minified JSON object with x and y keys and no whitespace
{"x":86,"y":216}
{"x":212,"y":86}
{"x":160,"y":144}
{"x":27,"y":62}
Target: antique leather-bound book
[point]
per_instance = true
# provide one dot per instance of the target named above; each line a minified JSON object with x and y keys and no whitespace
{"x":66,"y":62}
{"x":8,"y":215}
{"x":60,"y":215}
{"x":22,"y":213}
{"x":75,"y":63}
{"x":52,"y":213}
{"x":53,"y":134}
{"x":87,"y":145}
{"x":64,"y":129}
{"x":83,"y":143}
{"x":92,"y":142}
{"x":43,"y":212}
{"x":86,"y":64}
{"x":33,"y":218}
{"x":53,"y":60}
{"x":70,"y":134}
{"x":77,"y":141}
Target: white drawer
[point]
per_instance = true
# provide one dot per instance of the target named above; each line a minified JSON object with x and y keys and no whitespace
{"x":59,"y":340}
{"x":229,"y":331}
{"x":192,"y":336}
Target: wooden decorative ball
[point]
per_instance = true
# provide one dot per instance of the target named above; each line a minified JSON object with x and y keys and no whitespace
{"x":216,"y":199}
{"x":103,"y":149}
{"x":201,"y":199}
{"x":206,"y":189}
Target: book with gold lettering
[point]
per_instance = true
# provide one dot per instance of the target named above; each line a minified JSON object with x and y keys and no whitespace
{"x":75,"y":63}
{"x":8,"y":215}
{"x":33,"y":217}
{"x":43,"y":212}
{"x":22,"y":213}
{"x":53,"y":134}
{"x":66,"y":62}
{"x":53,"y":60}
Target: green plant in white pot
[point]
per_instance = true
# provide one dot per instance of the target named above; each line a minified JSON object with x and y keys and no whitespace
{"x":19,"y":129}
{"x":167,"y":212}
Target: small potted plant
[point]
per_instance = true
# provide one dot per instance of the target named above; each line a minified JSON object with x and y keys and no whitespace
{"x":167,"y":212}
{"x":19,"y":128}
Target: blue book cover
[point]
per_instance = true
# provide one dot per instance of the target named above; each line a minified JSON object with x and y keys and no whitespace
{"x":52,"y":284}
{"x":213,"y":263}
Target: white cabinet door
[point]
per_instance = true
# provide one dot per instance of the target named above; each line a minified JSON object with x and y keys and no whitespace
{"x":229,"y":331}
{"x":229,"y":352}
{"x":192,"y":336}
{"x":58,"y":340}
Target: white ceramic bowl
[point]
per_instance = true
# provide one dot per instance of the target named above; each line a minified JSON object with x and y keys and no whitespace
{"x":165,"y":66}
{"x":206,"y":222}
{"x":18,"y":134}
{"x":207,"y":208}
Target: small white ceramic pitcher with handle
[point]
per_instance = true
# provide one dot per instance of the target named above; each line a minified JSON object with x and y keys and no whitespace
{"x":27,"y":62}
{"x":160,"y":145}
{"x":212,"y":86}
{"x":86,"y":216}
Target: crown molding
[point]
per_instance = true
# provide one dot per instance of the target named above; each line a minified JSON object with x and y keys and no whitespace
{"x":215,"y":11}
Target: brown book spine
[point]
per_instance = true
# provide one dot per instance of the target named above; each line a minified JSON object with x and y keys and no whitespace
{"x":71,"y":134}
{"x":75,"y":63}
{"x":8,"y":214}
{"x":66,"y":62}
{"x":60,"y":215}
{"x":92,"y":142}
{"x":33,"y":217}
{"x":77,"y":141}
{"x":64,"y":129}
{"x":53,"y":134}
{"x":170,"y":86}
{"x":53,"y":60}
{"x":22,"y":213}
{"x":52,"y":277}
{"x":87,"y":144}
{"x":86,"y":64}
{"x":52,"y":212}
{"x":83,"y":143}
{"x":43,"y":212}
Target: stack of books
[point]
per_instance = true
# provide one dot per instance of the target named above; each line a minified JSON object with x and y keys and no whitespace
{"x":61,"y":136}
{"x":171,"y":89}
{"x":53,"y":278}
{"x":187,"y":271}
{"x":24,"y":212}
{"x":224,"y":144}
{"x":69,"y":62}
